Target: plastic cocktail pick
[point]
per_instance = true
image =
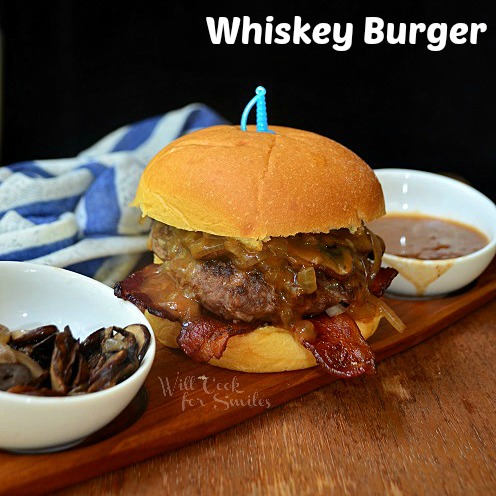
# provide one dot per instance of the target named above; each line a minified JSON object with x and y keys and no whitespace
{"x":258,"y":99}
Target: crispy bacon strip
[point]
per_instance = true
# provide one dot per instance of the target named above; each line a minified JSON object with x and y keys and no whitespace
{"x":153,"y":290}
{"x":131,"y":288}
{"x":340,"y":348}
{"x":206,"y":338}
{"x":382,"y":280}
{"x":202,"y":337}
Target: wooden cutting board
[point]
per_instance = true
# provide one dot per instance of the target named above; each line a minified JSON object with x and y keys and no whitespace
{"x":185,"y":402}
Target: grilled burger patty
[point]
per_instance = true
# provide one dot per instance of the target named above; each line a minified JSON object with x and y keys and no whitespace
{"x":245,"y":295}
{"x":215,"y":277}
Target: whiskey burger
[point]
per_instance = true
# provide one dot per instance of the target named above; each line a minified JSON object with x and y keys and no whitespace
{"x":263,"y":262}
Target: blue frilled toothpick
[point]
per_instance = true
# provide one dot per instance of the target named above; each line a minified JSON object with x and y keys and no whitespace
{"x":259,"y":100}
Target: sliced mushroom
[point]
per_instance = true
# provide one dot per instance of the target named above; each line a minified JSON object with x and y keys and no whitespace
{"x":82,"y":375}
{"x":42,"y":381}
{"x":7,"y":354}
{"x":63,"y":359}
{"x":117,"y":361}
{"x":13,"y":374}
{"x":4,"y":334}
{"x":47,"y":362}
{"x":142,"y":335}
{"x":128,"y":341}
{"x":40,"y":351}
{"x":22,"y":338}
{"x":34,"y":391}
{"x":113,"y":345}
{"x":34,"y":367}
{"x":109,"y":373}
{"x":91,"y":347}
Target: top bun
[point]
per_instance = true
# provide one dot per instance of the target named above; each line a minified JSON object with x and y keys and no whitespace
{"x":249,"y":184}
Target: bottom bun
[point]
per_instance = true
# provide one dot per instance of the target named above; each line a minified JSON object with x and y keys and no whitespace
{"x":266,"y":349}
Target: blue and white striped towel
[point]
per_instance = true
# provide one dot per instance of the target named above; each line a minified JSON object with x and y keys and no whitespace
{"x":75,"y":213}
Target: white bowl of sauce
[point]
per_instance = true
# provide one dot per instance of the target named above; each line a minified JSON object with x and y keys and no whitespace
{"x":440,"y":233}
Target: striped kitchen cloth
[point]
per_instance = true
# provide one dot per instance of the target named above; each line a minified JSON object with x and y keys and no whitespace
{"x":74,"y":213}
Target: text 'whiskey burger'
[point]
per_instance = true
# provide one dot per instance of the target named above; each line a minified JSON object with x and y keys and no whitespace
{"x":263,"y":259}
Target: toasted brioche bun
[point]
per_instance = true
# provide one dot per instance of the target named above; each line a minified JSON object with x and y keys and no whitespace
{"x":266,"y":349}
{"x":247,"y":184}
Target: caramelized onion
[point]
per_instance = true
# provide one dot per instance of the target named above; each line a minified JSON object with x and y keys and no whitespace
{"x":338,"y":259}
{"x":233,"y":246}
{"x":304,"y":330}
{"x":387,"y":313}
{"x":335,"y":310}
{"x":377,"y":250}
{"x":203,"y":247}
{"x":307,"y":280}
{"x":304,"y":271}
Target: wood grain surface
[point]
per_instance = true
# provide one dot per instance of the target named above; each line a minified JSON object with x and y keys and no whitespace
{"x":425,"y":424}
{"x":349,"y":431}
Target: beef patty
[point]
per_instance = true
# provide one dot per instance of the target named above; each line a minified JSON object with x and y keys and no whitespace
{"x":244,"y":294}
{"x":236,"y":294}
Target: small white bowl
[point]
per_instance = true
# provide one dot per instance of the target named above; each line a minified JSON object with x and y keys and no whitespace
{"x":34,"y":295}
{"x":417,"y":192}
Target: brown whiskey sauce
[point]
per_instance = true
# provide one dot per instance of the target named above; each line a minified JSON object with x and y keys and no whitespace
{"x":427,"y":238}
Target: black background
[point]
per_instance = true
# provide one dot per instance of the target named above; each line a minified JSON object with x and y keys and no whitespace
{"x":76,"y":70}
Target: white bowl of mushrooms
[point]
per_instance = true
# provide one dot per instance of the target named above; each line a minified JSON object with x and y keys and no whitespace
{"x":72,"y":356}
